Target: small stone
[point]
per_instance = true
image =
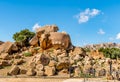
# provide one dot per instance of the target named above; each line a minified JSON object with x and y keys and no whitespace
{"x":63,"y":72}
{"x":5,"y":56}
{"x":31,"y":72}
{"x":15,"y":70}
{"x":23,"y":71}
{"x":19,"y":62}
{"x":17,"y":56}
{"x":5,"y":63}
{"x":77,"y":72}
{"x":39,"y":67}
{"x":49,"y":71}
{"x":40,"y":73}
{"x":62,"y":65}
{"x":52,"y":63}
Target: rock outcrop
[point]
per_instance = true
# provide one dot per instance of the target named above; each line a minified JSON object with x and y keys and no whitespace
{"x":47,"y":37}
{"x":52,"y":53}
{"x":7,"y":47}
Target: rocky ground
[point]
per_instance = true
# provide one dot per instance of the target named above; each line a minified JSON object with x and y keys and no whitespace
{"x":51,"y":53}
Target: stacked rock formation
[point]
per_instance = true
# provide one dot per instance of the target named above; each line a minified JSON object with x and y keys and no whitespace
{"x":52,"y":53}
{"x":47,"y":37}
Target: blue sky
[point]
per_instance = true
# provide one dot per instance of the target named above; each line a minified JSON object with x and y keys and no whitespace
{"x":87,"y":21}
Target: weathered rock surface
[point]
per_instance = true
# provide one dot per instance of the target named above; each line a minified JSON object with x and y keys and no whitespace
{"x":14,"y":71}
{"x":47,"y":37}
{"x":63,"y":72}
{"x":62,"y":65}
{"x":49,"y":71}
{"x":7,"y":47}
{"x":19,"y":62}
{"x":5,"y":63}
{"x":30,"y":72}
{"x":34,"y":41}
{"x":4,"y":56}
{"x":46,"y":29}
{"x":23,"y":71}
{"x":52,"y":53}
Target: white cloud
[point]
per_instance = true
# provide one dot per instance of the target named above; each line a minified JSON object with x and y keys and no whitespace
{"x":101,"y":31}
{"x":87,"y":14}
{"x":35,"y":27}
{"x":118,"y":36}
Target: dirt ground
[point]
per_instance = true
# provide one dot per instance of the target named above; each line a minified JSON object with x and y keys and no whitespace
{"x":51,"y":80}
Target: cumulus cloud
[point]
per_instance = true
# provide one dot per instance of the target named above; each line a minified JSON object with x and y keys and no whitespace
{"x":35,"y":27}
{"x":86,"y":15}
{"x":101,"y":31}
{"x":118,"y":36}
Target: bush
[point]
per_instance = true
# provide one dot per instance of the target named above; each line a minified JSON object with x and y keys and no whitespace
{"x":112,"y":53}
{"x":27,"y":54}
{"x":23,"y":36}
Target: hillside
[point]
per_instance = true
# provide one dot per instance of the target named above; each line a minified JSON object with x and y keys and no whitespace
{"x":51,"y":53}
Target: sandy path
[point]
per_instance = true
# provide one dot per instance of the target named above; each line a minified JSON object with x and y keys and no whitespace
{"x":49,"y":80}
{"x":29,"y":80}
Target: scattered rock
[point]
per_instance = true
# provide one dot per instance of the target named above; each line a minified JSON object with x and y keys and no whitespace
{"x":52,"y":63}
{"x":39,"y":73}
{"x":109,"y":77}
{"x":63,"y":72}
{"x":34,"y":41}
{"x":49,"y":71}
{"x":14,"y":71}
{"x":5,"y":63}
{"x":32,"y":65}
{"x":31,"y":72}
{"x":14,"y":47}
{"x":19,"y":62}
{"x":6,"y":47}
{"x":44,"y":60}
{"x":102,"y":72}
{"x":23,"y":71}
{"x":39,"y":67}
{"x":17,"y":56}
{"x":77,"y":72}
{"x":4,"y":56}
{"x":78,"y":51}
{"x":62,"y":65}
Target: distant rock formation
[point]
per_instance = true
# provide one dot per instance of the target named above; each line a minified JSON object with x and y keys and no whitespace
{"x":103,"y":45}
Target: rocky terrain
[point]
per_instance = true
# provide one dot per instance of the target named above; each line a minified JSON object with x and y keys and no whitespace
{"x":1,"y":42}
{"x":103,"y":45}
{"x":51,"y":53}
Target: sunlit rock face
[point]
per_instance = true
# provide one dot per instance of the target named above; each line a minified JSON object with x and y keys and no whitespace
{"x":47,"y":37}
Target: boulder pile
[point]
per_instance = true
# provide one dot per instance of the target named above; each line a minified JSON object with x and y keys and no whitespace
{"x":51,"y":53}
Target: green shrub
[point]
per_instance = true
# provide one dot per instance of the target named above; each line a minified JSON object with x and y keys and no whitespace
{"x":27,"y":54}
{"x":112,"y":53}
{"x":23,"y":36}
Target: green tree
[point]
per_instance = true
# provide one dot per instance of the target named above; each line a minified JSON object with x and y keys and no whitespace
{"x":112,"y":53}
{"x":23,"y":36}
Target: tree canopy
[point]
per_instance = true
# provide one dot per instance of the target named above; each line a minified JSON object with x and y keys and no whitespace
{"x":23,"y":36}
{"x":112,"y":53}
